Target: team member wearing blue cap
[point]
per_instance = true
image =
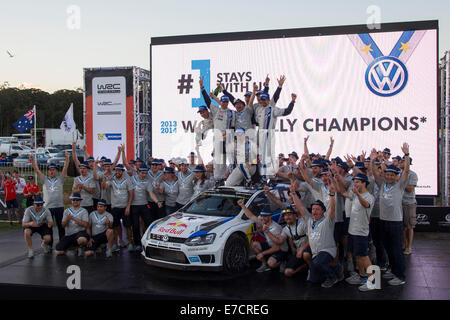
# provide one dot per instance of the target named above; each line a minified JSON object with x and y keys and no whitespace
{"x":266,"y":114}
{"x":223,"y":121}
{"x":169,"y":188}
{"x":200,"y":182}
{"x":106,"y":173}
{"x":154,"y":177}
{"x":273,"y":251}
{"x":203,"y":126}
{"x":321,"y":240}
{"x":295,"y":233}
{"x":122,"y":194}
{"x":97,"y":192}
{"x":391,"y":215}
{"x":140,"y":207}
{"x":358,"y":243}
{"x":52,"y":187}
{"x":38,"y":219}
{"x":85,"y":185}
{"x":185,"y":184}
{"x":75,"y":221}
{"x":409,"y":205}
{"x":245,"y":160}
{"x":100,"y":230}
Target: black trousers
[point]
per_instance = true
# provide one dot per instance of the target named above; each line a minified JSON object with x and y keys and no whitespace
{"x":157,"y":213}
{"x":137,"y":212}
{"x":57,"y":214}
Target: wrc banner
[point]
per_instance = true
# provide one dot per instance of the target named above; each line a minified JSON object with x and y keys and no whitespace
{"x":109,"y":111}
{"x":365,"y":88}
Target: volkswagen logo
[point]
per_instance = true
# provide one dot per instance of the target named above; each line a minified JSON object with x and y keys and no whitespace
{"x":386,"y":76}
{"x":165,"y":238}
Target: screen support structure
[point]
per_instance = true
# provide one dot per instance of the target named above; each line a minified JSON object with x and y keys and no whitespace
{"x":142,"y":127}
{"x":445,"y":125}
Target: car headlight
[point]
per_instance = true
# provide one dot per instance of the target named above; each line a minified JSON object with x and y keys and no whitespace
{"x":201,"y":240}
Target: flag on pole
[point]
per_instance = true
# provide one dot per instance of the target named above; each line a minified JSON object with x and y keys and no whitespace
{"x":25,"y":122}
{"x":68,"y":124}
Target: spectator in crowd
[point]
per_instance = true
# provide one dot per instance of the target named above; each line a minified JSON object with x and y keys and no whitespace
{"x":20,"y":185}
{"x":273,"y":251}
{"x":9,"y":187}
{"x":409,"y":205}
{"x":391,"y":215}
{"x":30,"y":191}
{"x":75,"y":221}
{"x":100,"y":230}
{"x":200,"y":182}
{"x":37,"y":219}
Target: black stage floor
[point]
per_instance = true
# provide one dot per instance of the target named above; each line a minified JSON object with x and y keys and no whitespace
{"x":428,"y":276}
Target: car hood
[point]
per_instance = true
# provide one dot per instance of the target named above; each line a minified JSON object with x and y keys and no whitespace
{"x":182,"y":225}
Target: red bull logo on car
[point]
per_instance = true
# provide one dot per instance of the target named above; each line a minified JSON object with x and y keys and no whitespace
{"x":173,"y":228}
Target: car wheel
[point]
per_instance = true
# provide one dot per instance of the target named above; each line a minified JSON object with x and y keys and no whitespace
{"x":235,"y":255}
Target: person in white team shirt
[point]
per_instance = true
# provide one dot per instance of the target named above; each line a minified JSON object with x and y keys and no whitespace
{"x":100,"y":230}
{"x":272,"y":252}
{"x":320,"y":224}
{"x":122,"y":195}
{"x":85,"y":185}
{"x":37,"y":219}
{"x":52,"y":187}
{"x":358,"y":241}
{"x":75,"y":221}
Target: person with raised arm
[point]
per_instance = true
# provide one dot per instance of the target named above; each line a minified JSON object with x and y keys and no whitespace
{"x":320,"y":233}
{"x":272,"y":251}
{"x":52,"y":190}
{"x":392,"y":190}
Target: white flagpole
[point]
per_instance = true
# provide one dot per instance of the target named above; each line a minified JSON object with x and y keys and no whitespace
{"x":35,"y":143}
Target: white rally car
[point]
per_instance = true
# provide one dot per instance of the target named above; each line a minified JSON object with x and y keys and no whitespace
{"x":210,"y":232}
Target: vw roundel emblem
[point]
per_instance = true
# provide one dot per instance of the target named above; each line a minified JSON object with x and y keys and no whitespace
{"x":165,"y":238}
{"x":386,"y":76}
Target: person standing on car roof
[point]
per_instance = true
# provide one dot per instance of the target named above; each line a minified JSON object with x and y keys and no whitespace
{"x":266,"y":114}
{"x":271,"y":252}
{"x":223,"y":121}
{"x":52,"y":187}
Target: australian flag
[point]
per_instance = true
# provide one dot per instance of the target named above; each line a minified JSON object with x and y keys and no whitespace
{"x":25,"y":122}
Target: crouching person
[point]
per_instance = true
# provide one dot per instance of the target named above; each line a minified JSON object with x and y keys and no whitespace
{"x":100,"y":230}
{"x":75,"y":222}
{"x":295,"y":233}
{"x":321,"y":240}
{"x":274,"y":251}
{"x":37,"y":219}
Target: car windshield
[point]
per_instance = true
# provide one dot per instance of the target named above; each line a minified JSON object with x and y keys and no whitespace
{"x":60,"y":155}
{"x":220,"y":205}
{"x":53,"y":150}
{"x":23,"y":156}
